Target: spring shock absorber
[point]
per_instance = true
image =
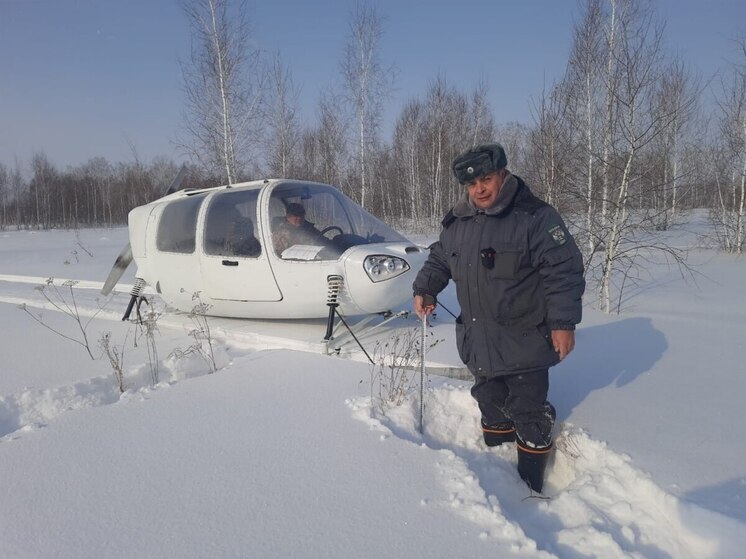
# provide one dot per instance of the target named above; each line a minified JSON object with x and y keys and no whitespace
{"x":334,"y":285}
{"x":135,"y":294}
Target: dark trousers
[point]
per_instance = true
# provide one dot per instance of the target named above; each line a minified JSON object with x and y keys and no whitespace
{"x":521,"y":399}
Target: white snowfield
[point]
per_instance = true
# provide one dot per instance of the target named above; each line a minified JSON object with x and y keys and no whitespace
{"x":282,"y":453}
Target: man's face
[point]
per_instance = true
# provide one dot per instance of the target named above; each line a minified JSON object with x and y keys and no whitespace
{"x":295,"y":220}
{"x":484,"y":190}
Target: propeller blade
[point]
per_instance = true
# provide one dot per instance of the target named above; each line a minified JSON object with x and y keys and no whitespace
{"x":176,"y":183}
{"x":120,"y":265}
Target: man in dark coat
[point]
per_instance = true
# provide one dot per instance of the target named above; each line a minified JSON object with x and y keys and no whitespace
{"x":519,"y":282}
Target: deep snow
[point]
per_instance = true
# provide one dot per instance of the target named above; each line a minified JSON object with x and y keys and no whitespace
{"x":281,"y":453}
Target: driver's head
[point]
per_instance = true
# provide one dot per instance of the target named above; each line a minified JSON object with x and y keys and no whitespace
{"x":296,"y":214}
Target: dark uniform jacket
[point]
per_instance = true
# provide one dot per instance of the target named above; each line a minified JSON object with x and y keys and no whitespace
{"x":518,"y":275}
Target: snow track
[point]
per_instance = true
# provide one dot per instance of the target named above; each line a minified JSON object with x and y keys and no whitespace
{"x":597,"y":503}
{"x":32,"y":409}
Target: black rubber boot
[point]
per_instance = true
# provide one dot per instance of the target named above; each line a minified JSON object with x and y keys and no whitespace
{"x":532,"y":463}
{"x":495,"y":435}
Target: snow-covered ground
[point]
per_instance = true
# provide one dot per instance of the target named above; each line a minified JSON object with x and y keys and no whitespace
{"x":282,"y":453}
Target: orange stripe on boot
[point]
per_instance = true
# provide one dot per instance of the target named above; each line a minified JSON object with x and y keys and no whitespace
{"x":534,"y":450}
{"x":498,"y":431}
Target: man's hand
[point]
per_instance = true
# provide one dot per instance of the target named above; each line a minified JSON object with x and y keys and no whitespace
{"x":563,"y":342}
{"x":423,"y":305}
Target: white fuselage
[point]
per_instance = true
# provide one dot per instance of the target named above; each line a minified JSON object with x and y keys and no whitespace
{"x":186,"y":263}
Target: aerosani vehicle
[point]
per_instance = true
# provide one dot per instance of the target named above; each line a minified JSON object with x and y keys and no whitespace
{"x":223,"y":244}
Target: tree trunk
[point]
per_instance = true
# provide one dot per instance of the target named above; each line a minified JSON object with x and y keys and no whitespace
{"x":225,"y":113}
{"x":609,"y":130}
{"x":589,"y":147}
{"x":742,"y":203}
{"x":614,"y":239}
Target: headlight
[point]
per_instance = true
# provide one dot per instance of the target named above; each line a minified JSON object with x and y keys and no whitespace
{"x":380,"y":267}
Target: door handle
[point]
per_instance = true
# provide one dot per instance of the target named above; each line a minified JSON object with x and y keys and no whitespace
{"x":230,"y":263}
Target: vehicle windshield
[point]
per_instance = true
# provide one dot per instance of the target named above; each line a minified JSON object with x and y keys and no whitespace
{"x":317,"y":222}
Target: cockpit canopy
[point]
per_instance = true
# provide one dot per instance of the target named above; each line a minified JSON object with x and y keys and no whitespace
{"x":332,"y":223}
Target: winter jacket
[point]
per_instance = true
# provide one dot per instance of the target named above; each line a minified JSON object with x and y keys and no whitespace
{"x":286,"y":235}
{"x":518,"y":275}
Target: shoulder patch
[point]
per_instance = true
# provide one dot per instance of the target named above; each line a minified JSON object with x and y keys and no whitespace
{"x":558,"y":234}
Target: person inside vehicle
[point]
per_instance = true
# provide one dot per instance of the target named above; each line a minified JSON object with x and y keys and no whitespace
{"x":241,"y":240}
{"x":295,"y":230}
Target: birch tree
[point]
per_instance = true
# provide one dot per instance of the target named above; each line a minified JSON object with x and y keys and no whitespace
{"x":282,"y":120}
{"x":332,"y":132}
{"x":677,"y":99}
{"x":731,"y":174}
{"x":611,"y":79}
{"x":441,"y":106}
{"x":408,"y":162}
{"x":4,"y":190}
{"x":482,"y":125}
{"x":224,"y":83}
{"x":323,"y":148}
{"x":639,"y":61}
{"x":584,"y":87}
{"x":367,"y":84}
{"x":42,"y":186}
{"x":428,"y":135}
{"x":17,"y":188}
{"x":552,"y":146}
{"x":99,"y":176}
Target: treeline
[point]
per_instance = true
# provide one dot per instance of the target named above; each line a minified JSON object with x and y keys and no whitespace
{"x":97,"y":193}
{"x":625,"y":142}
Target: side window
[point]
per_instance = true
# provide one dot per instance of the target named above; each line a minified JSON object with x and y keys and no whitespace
{"x":230,"y":227}
{"x":178,"y":225}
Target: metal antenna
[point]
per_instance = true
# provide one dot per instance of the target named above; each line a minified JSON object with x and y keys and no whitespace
{"x":422,"y":370}
{"x":176,"y":183}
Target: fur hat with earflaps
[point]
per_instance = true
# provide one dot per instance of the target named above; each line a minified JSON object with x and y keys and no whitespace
{"x":479,"y":161}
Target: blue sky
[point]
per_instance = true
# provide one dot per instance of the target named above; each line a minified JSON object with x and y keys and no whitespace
{"x":83,"y":78}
